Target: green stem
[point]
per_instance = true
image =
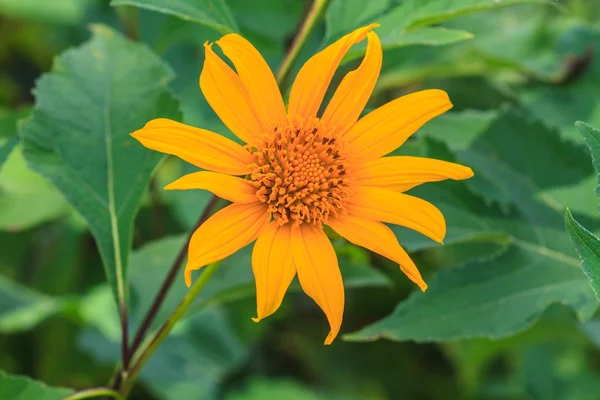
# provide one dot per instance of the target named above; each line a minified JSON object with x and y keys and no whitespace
{"x":301,"y":37}
{"x":94,"y":392}
{"x":167,"y":327}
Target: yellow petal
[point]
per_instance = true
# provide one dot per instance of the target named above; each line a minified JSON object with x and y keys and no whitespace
{"x":234,"y":189}
{"x":227,"y":231}
{"x":314,"y":77}
{"x":204,"y":149}
{"x":387,"y":128}
{"x":397,"y":208}
{"x":377,"y":237}
{"x":224,"y":91}
{"x":402,"y":173}
{"x":273,"y":267}
{"x":319,"y":273}
{"x":256,"y":76}
{"x":354,"y":91}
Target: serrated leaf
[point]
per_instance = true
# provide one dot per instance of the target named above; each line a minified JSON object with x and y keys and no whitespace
{"x":22,"y":308}
{"x":494,"y":300}
{"x":500,"y":296}
{"x":588,"y":249}
{"x":78,"y":136}
{"x":16,"y":387}
{"x":213,"y":13}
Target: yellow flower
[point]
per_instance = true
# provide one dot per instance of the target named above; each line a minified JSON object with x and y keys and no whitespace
{"x":301,"y":170}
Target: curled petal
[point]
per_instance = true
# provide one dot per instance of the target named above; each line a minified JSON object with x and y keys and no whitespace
{"x":377,"y":237}
{"x":314,"y":77}
{"x":354,"y":91}
{"x":225,"y":92}
{"x":256,"y":77}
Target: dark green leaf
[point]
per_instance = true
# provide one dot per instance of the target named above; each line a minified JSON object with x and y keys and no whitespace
{"x":500,"y":296}
{"x":494,"y":299}
{"x":213,"y":13}
{"x":15,"y":387}
{"x":78,"y":136}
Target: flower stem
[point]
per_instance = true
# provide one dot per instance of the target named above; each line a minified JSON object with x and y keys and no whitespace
{"x":168,"y":326}
{"x":122,"y":373}
{"x":94,"y":392}
{"x":301,"y":37}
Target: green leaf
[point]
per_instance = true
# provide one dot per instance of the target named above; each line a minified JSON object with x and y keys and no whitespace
{"x":503,"y":295}
{"x":419,"y":13}
{"x":586,"y":244}
{"x":213,"y":13}
{"x":78,"y":136}
{"x":588,"y":249}
{"x":15,"y":387}
{"x":8,"y":132}
{"x":409,"y":22}
{"x":343,"y":16}
{"x":21,"y":308}
{"x":494,"y":300}
{"x":68,"y":12}
{"x":27,"y":198}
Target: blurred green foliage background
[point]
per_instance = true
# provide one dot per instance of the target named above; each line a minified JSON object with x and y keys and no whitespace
{"x":509,"y":314}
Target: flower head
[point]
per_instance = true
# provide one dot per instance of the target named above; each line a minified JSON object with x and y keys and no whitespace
{"x":301,"y":170}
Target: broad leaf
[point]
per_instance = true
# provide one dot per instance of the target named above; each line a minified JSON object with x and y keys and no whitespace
{"x":8,"y":131}
{"x":22,"y":308}
{"x":588,"y":248}
{"x":500,"y":296}
{"x":586,"y":244}
{"x":15,"y":387}
{"x":78,"y":136}
{"x":409,"y":22}
{"x":213,"y":13}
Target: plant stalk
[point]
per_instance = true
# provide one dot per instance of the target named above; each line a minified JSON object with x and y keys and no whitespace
{"x":168,"y":326}
{"x":306,"y":28}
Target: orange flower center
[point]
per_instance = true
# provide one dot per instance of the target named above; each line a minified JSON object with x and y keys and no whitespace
{"x":299,"y":172}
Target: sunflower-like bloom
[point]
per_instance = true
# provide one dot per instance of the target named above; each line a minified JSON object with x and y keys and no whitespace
{"x":301,"y":170}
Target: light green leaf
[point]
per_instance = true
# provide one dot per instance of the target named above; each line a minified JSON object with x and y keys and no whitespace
{"x":428,"y":36}
{"x":68,"y":12}
{"x":213,"y":13}
{"x":588,"y":249}
{"x":27,"y":198}
{"x":15,"y":387}
{"x":8,"y":131}
{"x":78,"y":136}
{"x":21,"y":308}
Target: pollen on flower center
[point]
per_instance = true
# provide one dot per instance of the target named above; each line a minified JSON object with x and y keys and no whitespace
{"x":299,"y":172}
